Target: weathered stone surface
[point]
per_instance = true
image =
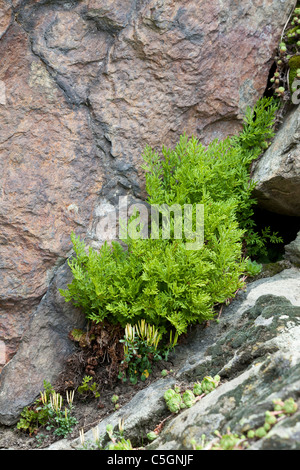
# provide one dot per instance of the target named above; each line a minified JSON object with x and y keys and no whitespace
{"x":84,"y":86}
{"x":50,"y":179}
{"x":292,"y":251}
{"x":5,"y":16}
{"x":261,"y":362}
{"x":255,"y":350}
{"x":277,"y":173}
{"x":177,"y":68}
{"x":43,"y":352}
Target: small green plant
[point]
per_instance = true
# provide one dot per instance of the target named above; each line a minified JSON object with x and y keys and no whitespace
{"x":287,"y":407}
{"x":229,"y":441}
{"x":88,"y":386}
{"x":116,"y":441}
{"x":151,"y":436}
{"x":115,"y":399}
{"x":234,"y":441}
{"x":173,"y":401}
{"x":36,"y":416}
{"x":47,"y":413}
{"x":208,"y":384}
{"x":141,"y":349}
{"x":188,"y":398}
{"x":198,"y":446}
{"x":60,"y":421}
{"x":177,"y":400}
{"x":253,"y":268}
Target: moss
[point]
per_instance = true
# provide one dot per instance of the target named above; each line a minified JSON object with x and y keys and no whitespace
{"x":271,"y":269}
{"x":294,"y":64}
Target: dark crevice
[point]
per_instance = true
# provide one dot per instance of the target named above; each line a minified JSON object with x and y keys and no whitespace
{"x":269,"y":90}
{"x":287,"y":227}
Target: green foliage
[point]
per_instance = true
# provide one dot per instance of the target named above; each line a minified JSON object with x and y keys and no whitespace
{"x":287,"y":407}
{"x":151,"y":436}
{"x":253,"y":268}
{"x":87,"y":387}
{"x":36,"y":416}
{"x":62,"y":423}
{"x":192,"y":173}
{"x":115,"y":399}
{"x":159,"y":280}
{"x":208,"y":384}
{"x":118,"y":441}
{"x":29,"y":420}
{"x":175,"y":403}
{"x":188,"y":398}
{"x":140,"y":351}
{"x":228,"y":441}
{"x":197,"y":389}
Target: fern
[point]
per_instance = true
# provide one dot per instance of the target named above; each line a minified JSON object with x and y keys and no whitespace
{"x":159,"y":280}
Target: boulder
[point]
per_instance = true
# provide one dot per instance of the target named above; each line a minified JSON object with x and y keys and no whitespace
{"x":258,"y":361}
{"x":43,"y":352}
{"x":50,"y":179}
{"x":277,"y":173}
{"x":84,"y":86}
{"x":5,"y":17}
{"x":255,"y":350}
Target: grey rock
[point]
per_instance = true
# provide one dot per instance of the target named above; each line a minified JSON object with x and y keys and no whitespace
{"x":255,"y":349}
{"x":258,"y":361}
{"x":292,"y":251}
{"x":143,"y":411}
{"x":84,"y":87}
{"x":277,"y":173}
{"x":43,"y":352}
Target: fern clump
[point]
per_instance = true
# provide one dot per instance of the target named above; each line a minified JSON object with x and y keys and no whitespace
{"x":217,"y":174}
{"x":160,"y":280}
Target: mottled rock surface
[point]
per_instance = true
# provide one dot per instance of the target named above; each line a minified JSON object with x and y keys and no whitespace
{"x":84,"y":86}
{"x":255,"y":350}
{"x":43,"y":352}
{"x":292,"y":251}
{"x":277,"y":173}
{"x":50,"y":180}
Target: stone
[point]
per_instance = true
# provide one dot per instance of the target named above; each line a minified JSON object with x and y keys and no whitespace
{"x":255,"y":350}
{"x":5,"y":17}
{"x":277,"y":173}
{"x":50,"y":179}
{"x":258,"y":360}
{"x":292,"y":251}
{"x":43,"y":352}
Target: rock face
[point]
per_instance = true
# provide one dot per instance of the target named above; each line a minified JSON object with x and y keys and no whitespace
{"x":292,"y":251}
{"x":43,"y":351}
{"x":255,"y":350}
{"x":277,"y":173}
{"x":259,"y":361}
{"x":84,"y":86}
